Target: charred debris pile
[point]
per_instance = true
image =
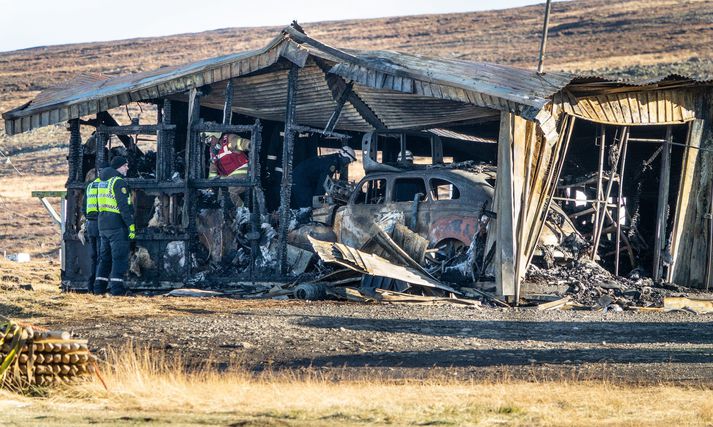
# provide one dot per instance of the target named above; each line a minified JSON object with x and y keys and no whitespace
{"x":395,"y":265}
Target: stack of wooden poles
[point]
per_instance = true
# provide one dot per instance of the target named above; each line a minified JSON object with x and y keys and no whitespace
{"x":31,"y":357}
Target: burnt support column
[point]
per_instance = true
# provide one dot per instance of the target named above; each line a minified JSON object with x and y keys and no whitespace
{"x":192,"y":157}
{"x":288,"y":148}
{"x":75,"y":152}
{"x":100,"y":158}
{"x":164,"y":149}
{"x":228,"y":107}
{"x":346,"y":92}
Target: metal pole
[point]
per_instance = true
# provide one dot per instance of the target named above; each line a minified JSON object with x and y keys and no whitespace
{"x":543,"y":43}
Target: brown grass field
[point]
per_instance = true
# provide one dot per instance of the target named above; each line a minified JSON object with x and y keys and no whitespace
{"x":631,"y":38}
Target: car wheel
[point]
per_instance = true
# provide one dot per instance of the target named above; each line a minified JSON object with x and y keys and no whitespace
{"x":444,"y":250}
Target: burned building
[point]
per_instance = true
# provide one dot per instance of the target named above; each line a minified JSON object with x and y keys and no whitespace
{"x":625,"y":166}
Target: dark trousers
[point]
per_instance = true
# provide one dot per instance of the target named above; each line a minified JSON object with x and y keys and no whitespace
{"x":93,"y":243}
{"x":113,"y":261}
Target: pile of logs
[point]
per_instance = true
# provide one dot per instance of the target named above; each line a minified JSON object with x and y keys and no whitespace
{"x":42,"y":358}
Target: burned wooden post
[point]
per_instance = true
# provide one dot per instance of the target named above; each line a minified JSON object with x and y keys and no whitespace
{"x":75,"y":152}
{"x":662,"y":208}
{"x":287,"y":153}
{"x":506,"y":205}
{"x":343,"y":96}
{"x":191,"y":172}
{"x":228,"y":107}
{"x":100,"y":141}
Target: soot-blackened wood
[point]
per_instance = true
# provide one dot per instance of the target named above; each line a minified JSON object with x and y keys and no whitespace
{"x":228,"y":108}
{"x":100,"y":159}
{"x":104,"y":118}
{"x":75,"y":152}
{"x":165,"y":149}
{"x":120,"y":131}
{"x":288,"y":147}
{"x":334,"y":118}
{"x":337,"y":86}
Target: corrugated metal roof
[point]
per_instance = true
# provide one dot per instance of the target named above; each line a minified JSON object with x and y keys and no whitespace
{"x":402,"y":90}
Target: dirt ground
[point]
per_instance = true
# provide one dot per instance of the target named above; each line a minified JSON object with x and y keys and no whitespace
{"x":353,"y":340}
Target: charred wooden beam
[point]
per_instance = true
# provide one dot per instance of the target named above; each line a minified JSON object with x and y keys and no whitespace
{"x":100,"y":159}
{"x":134,"y":129}
{"x":338,"y":86}
{"x":165,"y":150}
{"x":308,"y":129}
{"x":288,"y":147}
{"x":75,"y":152}
{"x":104,"y":118}
{"x":221,"y":183}
{"x":217,"y":127}
{"x":228,"y":108}
{"x":343,"y":97}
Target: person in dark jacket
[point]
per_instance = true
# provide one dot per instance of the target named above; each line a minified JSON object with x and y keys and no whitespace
{"x":91,"y":228}
{"x":116,"y":228}
{"x":308,"y":176}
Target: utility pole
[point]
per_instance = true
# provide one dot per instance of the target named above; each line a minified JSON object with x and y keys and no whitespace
{"x":543,"y":43}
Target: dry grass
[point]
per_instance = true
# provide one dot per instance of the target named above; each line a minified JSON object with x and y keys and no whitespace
{"x":146,"y":386}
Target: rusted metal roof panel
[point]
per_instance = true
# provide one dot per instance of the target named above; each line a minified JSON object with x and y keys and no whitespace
{"x":94,"y":94}
{"x":403,"y":90}
{"x":402,"y":111}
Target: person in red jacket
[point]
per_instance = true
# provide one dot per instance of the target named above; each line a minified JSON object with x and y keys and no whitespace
{"x":229,"y":159}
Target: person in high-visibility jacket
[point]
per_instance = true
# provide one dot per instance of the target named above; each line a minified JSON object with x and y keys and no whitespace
{"x":91,"y":228}
{"x":116,"y":228}
{"x":229,"y":159}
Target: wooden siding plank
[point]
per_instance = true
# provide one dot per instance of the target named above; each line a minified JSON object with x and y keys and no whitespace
{"x":605,"y":105}
{"x":634,"y":108}
{"x":63,"y":114}
{"x":613,"y":102}
{"x":44,"y":118}
{"x":643,"y":106}
{"x":652,"y":106}
{"x":54,"y":116}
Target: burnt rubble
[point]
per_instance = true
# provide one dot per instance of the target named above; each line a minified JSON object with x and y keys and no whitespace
{"x":588,"y":284}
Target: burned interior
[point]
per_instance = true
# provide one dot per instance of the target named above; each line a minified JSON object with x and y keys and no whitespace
{"x":511,"y":169}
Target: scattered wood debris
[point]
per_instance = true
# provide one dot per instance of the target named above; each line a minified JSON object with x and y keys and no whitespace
{"x":694,"y":305}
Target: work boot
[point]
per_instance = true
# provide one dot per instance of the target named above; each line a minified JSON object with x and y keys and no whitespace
{"x":117,"y":288}
{"x":100,"y":285}
{"x":90,"y":287}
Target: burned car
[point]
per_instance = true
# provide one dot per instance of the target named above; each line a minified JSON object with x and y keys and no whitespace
{"x":443,"y":205}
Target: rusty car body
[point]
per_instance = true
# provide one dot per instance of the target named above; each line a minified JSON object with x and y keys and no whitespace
{"x":436,"y":203}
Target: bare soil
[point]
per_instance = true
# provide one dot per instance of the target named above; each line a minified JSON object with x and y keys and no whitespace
{"x":352,"y":340}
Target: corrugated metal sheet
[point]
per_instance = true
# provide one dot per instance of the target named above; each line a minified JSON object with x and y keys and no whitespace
{"x":91,"y":96}
{"x":403,"y":90}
